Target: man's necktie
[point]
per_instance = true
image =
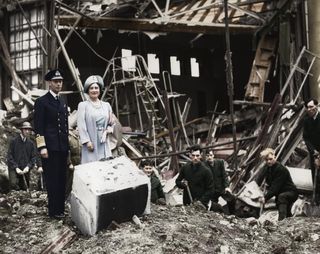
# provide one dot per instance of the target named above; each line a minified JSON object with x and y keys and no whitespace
{"x":57,"y":100}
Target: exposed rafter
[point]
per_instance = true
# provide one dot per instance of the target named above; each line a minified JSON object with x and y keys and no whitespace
{"x":146,"y":25}
{"x":196,"y":16}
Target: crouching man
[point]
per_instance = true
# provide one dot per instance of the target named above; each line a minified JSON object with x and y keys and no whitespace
{"x":157,"y":195}
{"x":221,"y":183}
{"x":279,"y":182}
{"x":196,"y":180}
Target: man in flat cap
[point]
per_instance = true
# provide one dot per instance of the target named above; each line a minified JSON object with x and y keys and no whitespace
{"x":51,"y":128}
{"x":21,"y":158}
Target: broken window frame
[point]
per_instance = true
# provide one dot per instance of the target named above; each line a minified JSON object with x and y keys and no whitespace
{"x":25,"y":51}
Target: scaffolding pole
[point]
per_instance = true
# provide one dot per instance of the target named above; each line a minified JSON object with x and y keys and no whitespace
{"x":229,"y":77}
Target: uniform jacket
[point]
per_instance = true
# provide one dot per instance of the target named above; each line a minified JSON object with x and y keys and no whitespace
{"x":200,"y":182}
{"x":88,"y":130}
{"x":51,"y":121}
{"x":220,"y":177}
{"x":278,"y":179}
{"x":156,"y":188}
{"x":21,"y":154}
{"x":311,"y":133}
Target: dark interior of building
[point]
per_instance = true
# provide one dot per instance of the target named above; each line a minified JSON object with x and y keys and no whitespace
{"x":208,"y":50}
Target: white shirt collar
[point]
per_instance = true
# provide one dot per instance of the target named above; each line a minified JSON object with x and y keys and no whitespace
{"x":23,"y":138}
{"x":53,"y":94}
{"x":315,"y":115}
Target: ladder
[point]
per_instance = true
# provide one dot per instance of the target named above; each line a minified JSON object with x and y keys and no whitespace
{"x":295,"y":68}
{"x":261,"y":69}
{"x":133,"y":71}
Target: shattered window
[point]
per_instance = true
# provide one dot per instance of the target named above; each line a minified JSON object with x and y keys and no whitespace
{"x":194,"y":67}
{"x":175,"y":66}
{"x":24,"y":48}
{"x":153,"y":64}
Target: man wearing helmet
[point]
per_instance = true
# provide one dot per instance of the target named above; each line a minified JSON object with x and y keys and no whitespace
{"x":21,"y":158}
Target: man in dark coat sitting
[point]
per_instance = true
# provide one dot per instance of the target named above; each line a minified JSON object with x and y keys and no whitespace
{"x":195,"y":179}
{"x":221,"y":181}
{"x":278,"y":178}
{"x":157,"y":195}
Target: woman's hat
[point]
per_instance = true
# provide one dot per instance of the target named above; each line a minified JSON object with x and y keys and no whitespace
{"x":94,"y":79}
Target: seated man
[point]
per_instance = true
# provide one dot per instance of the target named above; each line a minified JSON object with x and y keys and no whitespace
{"x":157,"y":195}
{"x":21,"y":157}
{"x":280,"y":184}
{"x":221,"y":181}
{"x":195,"y":179}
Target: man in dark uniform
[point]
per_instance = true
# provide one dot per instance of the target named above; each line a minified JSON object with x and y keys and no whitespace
{"x":51,"y":128}
{"x":221,"y":181}
{"x":195,"y":179}
{"x":311,"y":136}
{"x":21,"y":157}
{"x":279,"y":182}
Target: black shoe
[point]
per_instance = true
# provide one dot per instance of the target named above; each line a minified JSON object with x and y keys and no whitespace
{"x":59,"y":216}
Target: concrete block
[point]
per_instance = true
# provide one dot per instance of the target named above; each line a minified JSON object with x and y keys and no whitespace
{"x":302,"y":178}
{"x":106,"y":191}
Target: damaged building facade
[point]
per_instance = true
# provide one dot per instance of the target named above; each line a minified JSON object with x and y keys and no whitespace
{"x":183,"y":41}
{"x":164,"y":66}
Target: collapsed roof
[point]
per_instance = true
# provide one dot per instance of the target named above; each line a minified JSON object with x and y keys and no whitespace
{"x":200,"y":16}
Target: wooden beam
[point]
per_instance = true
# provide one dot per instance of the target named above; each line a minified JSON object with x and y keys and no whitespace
{"x":132,"y":149}
{"x":148,"y":25}
{"x":174,"y":161}
{"x":4,"y":4}
{"x":72,"y":9}
{"x":25,"y":97}
{"x":71,"y":66}
{"x":71,"y":30}
{"x":249,"y":13}
{"x":260,"y":104}
{"x":59,"y":242}
{"x":213,"y":147}
{"x":166,"y":132}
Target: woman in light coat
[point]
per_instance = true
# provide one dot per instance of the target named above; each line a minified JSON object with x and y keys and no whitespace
{"x":94,"y":122}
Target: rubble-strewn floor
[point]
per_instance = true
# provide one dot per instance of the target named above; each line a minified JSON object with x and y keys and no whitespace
{"x":25,"y":228}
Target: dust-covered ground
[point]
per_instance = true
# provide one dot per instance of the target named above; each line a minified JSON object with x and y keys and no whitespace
{"x":26,"y":228}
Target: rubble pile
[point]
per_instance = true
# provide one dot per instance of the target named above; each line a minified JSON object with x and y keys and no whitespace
{"x":25,"y":228}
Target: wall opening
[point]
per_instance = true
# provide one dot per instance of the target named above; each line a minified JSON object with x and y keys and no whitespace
{"x":153,"y":63}
{"x":175,"y":66}
{"x":194,"y":67}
